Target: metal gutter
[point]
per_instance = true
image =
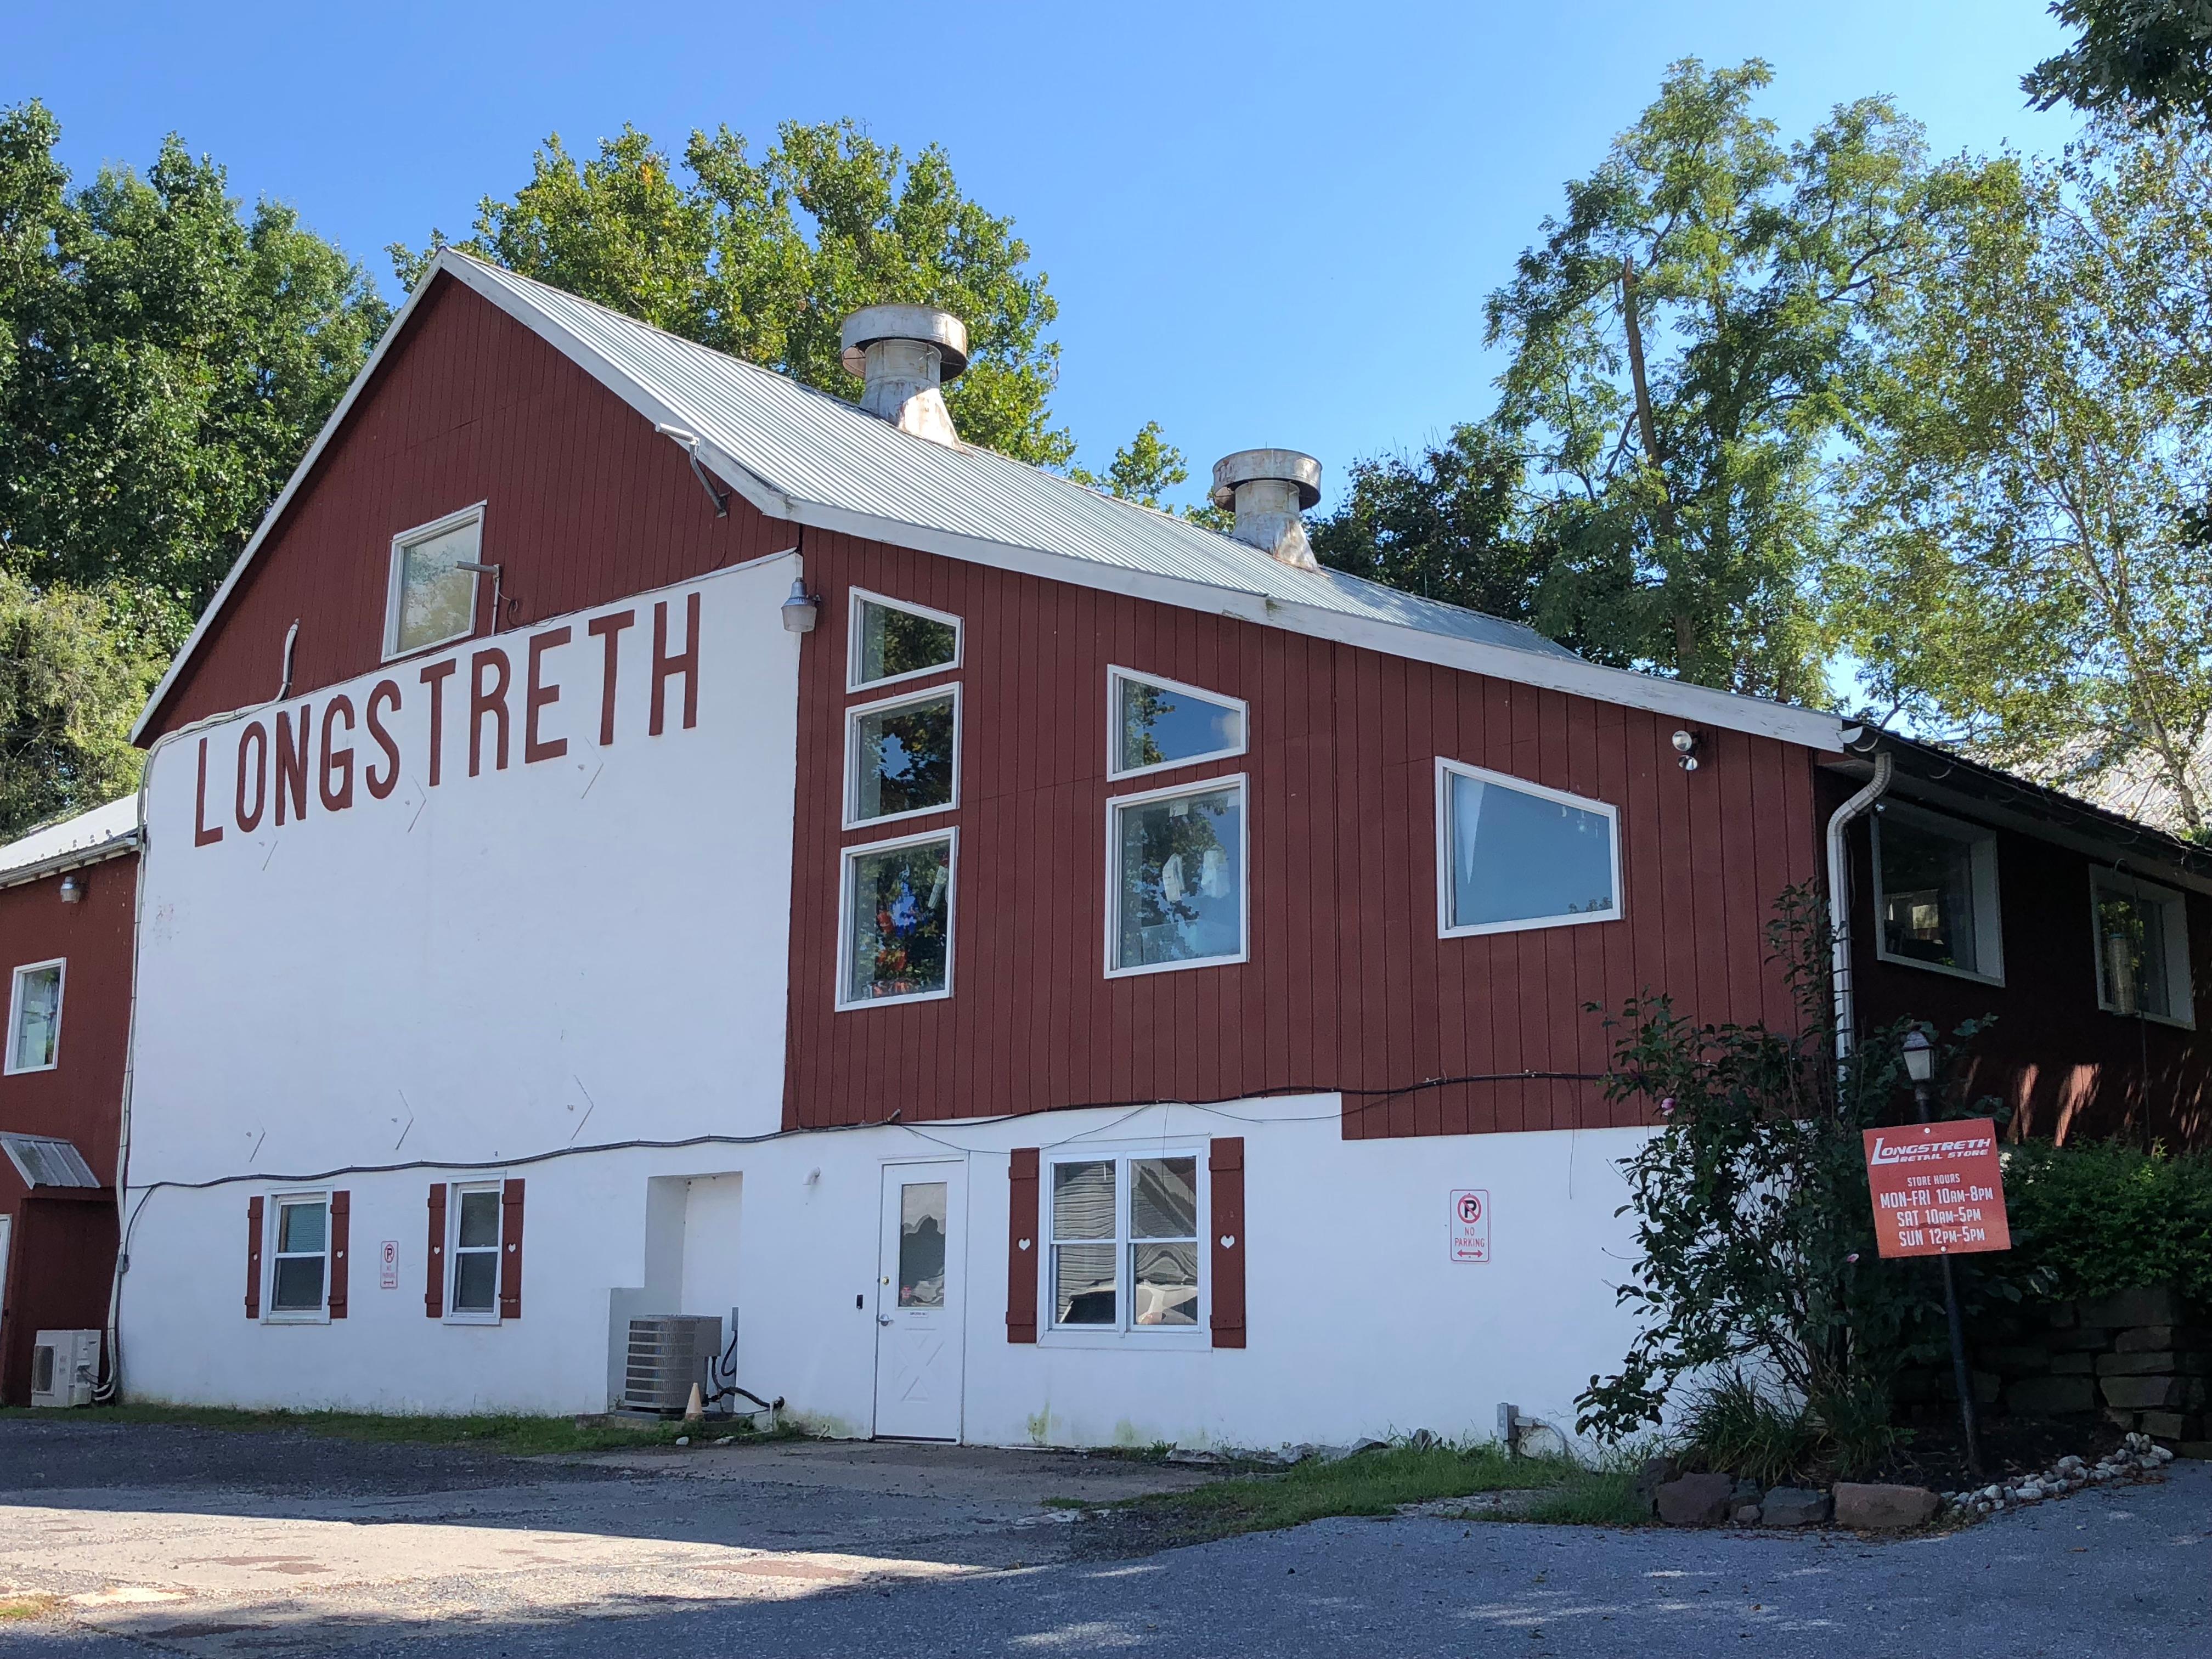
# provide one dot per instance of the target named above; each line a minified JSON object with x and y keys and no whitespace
{"x":75,"y":858}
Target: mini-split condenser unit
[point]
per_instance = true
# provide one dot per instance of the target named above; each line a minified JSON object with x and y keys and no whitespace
{"x":65,"y":1367}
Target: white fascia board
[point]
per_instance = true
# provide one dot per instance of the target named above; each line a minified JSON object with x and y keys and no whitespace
{"x":75,"y":858}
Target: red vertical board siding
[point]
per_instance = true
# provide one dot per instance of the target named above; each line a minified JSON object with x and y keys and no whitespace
{"x":1024,"y":1249}
{"x":1225,"y":1166}
{"x":340,"y":1241}
{"x":433,"y":1284}
{"x":255,"y":1222}
{"x":510,"y":1249}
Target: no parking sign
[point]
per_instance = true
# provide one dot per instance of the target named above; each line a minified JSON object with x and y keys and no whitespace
{"x":1470,"y":1224}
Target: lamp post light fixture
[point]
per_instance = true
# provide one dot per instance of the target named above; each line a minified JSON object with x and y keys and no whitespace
{"x":1920,"y":1071}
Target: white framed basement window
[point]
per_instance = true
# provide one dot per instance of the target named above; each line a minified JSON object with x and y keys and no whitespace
{"x":1125,"y":1232}
{"x":1153,"y":723}
{"x":895,"y":920}
{"x":1936,"y":893}
{"x":431,"y":599}
{"x":2141,"y":931}
{"x":894,"y":640}
{"x":902,"y":756}
{"x":1512,"y":854}
{"x":299,"y":1258}
{"x":34,"y":1016}
{"x":1175,"y":861}
{"x":473,"y":1253}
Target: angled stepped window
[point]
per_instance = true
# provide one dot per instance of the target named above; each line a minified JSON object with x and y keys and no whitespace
{"x":34,"y":1018}
{"x":896,"y":943}
{"x":1157,"y":723}
{"x":901,"y":756}
{"x":893,"y":640}
{"x":432,"y":598}
{"x":1512,"y":854}
{"x":1175,"y":887}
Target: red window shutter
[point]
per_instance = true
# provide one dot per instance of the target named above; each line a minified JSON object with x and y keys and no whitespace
{"x":510,"y":1250}
{"x":1023,"y":1248}
{"x":433,"y":1293}
{"x":253,"y":1258}
{"x":1225,"y":1164}
{"x":341,"y":1221}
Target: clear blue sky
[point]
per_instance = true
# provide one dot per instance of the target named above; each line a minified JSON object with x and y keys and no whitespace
{"x":1266,"y":224}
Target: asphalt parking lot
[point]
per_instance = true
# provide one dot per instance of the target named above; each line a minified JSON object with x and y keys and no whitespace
{"x":126,"y":1540}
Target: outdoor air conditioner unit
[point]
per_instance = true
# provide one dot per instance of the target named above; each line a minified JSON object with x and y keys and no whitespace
{"x":64,"y":1366}
{"x":669,"y":1352}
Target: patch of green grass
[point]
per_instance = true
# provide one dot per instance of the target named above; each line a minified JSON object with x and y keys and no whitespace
{"x":510,"y":1433}
{"x":27,"y":1606}
{"x":1594,"y":1497}
{"x":1065,"y":1504}
{"x":1376,"y":1483}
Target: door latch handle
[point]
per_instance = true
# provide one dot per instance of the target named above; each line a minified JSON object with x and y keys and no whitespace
{"x":883,"y":1319}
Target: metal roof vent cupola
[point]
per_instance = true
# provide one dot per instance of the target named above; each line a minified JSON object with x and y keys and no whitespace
{"x":1268,"y":489}
{"x":903,"y":355}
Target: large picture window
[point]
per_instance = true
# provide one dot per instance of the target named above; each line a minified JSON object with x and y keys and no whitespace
{"x":1125,"y":1242}
{"x":896,"y":943}
{"x":433,"y":597}
{"x":901,"y":756}
{"x":1512,"y":854}
{"x":2142,"y":949}
{"x":892,"y":640}
{"x":1935,"y":893}
{"x":34,"y":1016}
{"x":1156,"y":723}
{"x":300,"y":1270}
{"x":1175,"y":887}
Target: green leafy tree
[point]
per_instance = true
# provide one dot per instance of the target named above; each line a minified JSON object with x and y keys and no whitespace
{"x":765,"y":260}
{"x":1685,"y":343}
{"x":2022,"y":574}
{"x":76,"y":666}
{"x":2137,"y":56}
{"x":1143,"y":471}
{"x":165,"y":360}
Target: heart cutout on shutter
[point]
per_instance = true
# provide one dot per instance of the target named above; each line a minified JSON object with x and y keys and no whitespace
{"x":1022,"y":1243}
{"x":1228,"y":1241}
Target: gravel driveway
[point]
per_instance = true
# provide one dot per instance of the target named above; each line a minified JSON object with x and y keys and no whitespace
{"x":216,"y":1544}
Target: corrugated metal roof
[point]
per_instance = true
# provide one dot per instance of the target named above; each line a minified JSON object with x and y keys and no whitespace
{"x":88,"y":835}
{"x":810,"y":446}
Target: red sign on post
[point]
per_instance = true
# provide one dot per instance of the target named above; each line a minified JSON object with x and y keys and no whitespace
{"x":1937,"y":1188}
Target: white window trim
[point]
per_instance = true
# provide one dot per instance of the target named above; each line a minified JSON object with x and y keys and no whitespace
{"x":2178,"y":974}
{"x":271,"y":1313}
{"x":845,"y":858}
{"x":854,"y":598}
{"x":1446,"y":770}
{"x":1115,"y":674}
{"x":1115,"y":804}
{"x":1125,"y":1334}
{"x":400,"y":543}
{"x":909,"y":699}
{"x":16,"y":1010}
{"x":454,"y":1315}
{"x":1988,"y":923}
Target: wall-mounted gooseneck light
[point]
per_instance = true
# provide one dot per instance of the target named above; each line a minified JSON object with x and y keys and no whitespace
{"x":801,"y":608}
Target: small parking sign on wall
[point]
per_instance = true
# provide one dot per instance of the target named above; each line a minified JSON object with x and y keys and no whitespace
{"x":1470,"y":1225}
{"x":387,"y":1265}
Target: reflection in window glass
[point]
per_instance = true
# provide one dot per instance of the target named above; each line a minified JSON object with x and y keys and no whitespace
{"x":1927,"y":895}
{"x":2142,"y":952}
{"x":903,"y":758}
{"x":1156,"y":724}
{"x":1083,"y":1273}
{"x":37,"y":1037}
{"x":1179,"y":879}
{"x":921,"y":1244}
{"x":436,"y":601}
{"x":476,"y":1253}
{"x":890,"y":642}
{"x":296,"y":1285}
{"x":1517,"y":856}
{"x":1163,"y":1231}
{"x":899,"y":920}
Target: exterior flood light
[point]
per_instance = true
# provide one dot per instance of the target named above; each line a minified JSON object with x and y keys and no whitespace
{"x":800,"y":610}
{"x":72,"y":889}
{"x":1919,"y":1057}
{"x":1685,"y":746}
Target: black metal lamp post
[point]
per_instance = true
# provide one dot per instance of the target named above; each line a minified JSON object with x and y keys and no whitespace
{"x":1919,"y":1066}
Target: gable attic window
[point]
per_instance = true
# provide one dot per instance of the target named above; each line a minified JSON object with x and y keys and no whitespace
{"x":299,"y":1272}
{"x":1175,"y":878}
{"x":901,"y":756}
{"x":1936,"y":893}
{"x":2142,"y":949}
{"x":1154,"y":724}
{"x":893,"y":640}
{"x":1512,"y":854}
{"x":895,"y":938}
{"x":432,"y":599}
{"x":34,"y":1018}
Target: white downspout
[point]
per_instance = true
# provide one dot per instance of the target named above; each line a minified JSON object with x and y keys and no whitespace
{"x":1839,"y":897}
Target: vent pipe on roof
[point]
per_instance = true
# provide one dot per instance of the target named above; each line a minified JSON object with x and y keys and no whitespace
{"x":1268,"y":489}
{"x":903,"y":355}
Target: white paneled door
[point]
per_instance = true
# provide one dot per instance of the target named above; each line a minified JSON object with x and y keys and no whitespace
{"x":920,"y":1301}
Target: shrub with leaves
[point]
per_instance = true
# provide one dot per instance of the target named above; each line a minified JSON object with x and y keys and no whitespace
{"x":2091,"y":1219}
